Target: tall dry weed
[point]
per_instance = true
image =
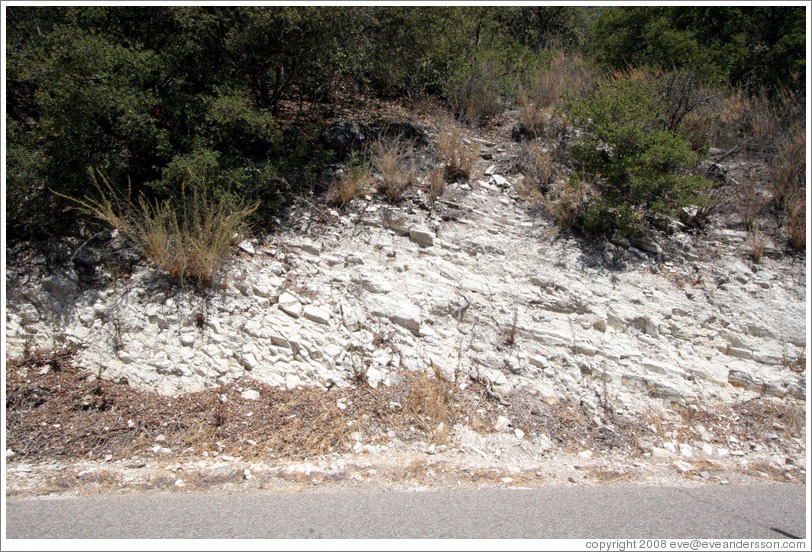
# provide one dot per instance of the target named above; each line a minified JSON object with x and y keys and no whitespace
{"x":189,"y":243}
{"x":788,"y":171}
{"x":456,"y":154}
{"x":392,"y":159}
{"x":353,"y":182}
{"x":566,"y":201}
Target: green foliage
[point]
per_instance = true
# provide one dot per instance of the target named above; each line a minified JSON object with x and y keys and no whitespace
{"x":148,"y":94}
{"x":641,"y":165}
{"x":754,"y":47}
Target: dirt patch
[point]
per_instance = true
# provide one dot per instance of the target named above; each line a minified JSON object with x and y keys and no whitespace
{"x":71,"y":432}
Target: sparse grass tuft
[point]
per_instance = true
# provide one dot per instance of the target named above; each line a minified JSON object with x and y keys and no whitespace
{"x":455,"y":153}
{"x":437,"y":182}
{"x":566,"y":76}
{"x":428,"y":405}
{"x":354,"y":182}
{"x":190,"y":243}
{"x":392,"y":160}
{"x":758,"y":243}
{"x":789,"y":184}
{"x":567,"y":201}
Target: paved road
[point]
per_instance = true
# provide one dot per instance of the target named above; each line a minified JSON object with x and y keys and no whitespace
{"x":763,"y":511}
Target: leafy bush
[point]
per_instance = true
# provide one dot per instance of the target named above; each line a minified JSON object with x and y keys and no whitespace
{"x":641,"y":165}
{"x":749,"y":46}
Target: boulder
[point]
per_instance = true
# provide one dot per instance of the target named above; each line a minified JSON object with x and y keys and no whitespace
{"x":345,"y":137}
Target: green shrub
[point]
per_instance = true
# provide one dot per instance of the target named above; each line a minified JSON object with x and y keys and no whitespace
{"x":640,"y":165}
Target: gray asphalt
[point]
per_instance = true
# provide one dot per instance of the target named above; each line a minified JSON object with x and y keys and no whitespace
{"x":764,"y":511}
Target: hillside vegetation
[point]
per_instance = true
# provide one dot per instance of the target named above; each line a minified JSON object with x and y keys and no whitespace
{"x":222,"y":107}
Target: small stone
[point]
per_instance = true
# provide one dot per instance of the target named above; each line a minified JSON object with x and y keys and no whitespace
{"x":9,"y":453}
{"x":354,"y":259}
{"x":290,"y":305}
{"x":658,"y":452}
{"x":518,"y":433}
{"x":686,"y":450}
{"x":501,"y":424}
{"x":585,"y":454}
{"x":160,"y":438}
{"x":500,"y":181}
{"x":250,"y":394}
{"x":316,"y":314}
{"x":683,"y":467}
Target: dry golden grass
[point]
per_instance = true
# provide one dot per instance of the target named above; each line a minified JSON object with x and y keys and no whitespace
{"x":542,"y":170}
{"x":789,"y":183}
{"x":436,"y":181}
{"x":567,"y":75}
{"x":352,"y":183}
{"x":190,"y":243}
{"x":758,"y":242}
{"x":392,"y":159}
{"x":533,"y":119}
{"x":455,"y":153}
{"x":567,"y":201}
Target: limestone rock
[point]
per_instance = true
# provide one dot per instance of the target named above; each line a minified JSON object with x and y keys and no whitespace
{"x":316,"y":314}
{"x":290,"y":305}
{"x":422,"y":236}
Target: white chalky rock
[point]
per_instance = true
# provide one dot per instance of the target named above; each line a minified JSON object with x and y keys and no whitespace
{"x":316,"y":314}
{"x":250,"y":394}
{"x":290,"y":305}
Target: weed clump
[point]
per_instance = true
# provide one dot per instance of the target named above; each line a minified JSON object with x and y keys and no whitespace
{"x":455,"y":153}
{"x":189,"y":239}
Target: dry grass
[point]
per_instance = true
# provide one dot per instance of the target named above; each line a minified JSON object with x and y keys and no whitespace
{"x":566,"y":201}
{"x":533,"y":119}
{"x":749,"y":205}
{"x":566,"y":76}
{"x":758,"y":242}
{"x":474,"y":95}
{"x":429,"y":406}
{"x":354,"y":182}
{"x":789,"y":184}
{"x":437,"y":182}
{"x":455,"y":153}
{"x":190,"y":243}
{"x":392,"y":159}
{"x":539,"y":168}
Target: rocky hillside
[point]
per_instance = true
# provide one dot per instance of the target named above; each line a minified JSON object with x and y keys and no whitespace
{"x":476,"y":287}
